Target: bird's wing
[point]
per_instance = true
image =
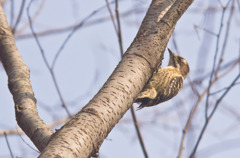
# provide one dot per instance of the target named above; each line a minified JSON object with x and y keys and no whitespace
{"x":170,"y":90}
{"x":147,"y":93}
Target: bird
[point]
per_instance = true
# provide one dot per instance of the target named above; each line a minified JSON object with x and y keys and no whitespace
{"x":165,"y":83}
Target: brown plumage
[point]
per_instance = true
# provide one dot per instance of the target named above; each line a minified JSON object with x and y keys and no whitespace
{"x":165,"y":83}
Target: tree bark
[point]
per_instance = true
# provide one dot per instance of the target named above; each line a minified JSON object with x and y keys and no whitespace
{"x":21,"y":89}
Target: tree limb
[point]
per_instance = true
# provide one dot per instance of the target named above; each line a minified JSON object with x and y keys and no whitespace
{"x":21,"y":89}
{"x":83,"y":135}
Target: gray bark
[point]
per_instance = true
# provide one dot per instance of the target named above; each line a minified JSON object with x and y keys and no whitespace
{"x":20,"y":86}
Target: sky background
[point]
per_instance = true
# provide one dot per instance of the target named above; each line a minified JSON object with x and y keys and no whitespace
{"x":91,"y":55}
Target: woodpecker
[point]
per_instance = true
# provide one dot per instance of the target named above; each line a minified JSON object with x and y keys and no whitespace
{"x":165,"y":83}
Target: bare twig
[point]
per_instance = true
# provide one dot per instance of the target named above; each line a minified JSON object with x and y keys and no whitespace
{"x":194,"y":109}
{"x":190,"y":117}
{"x":219,"y":67}
{"x":26,"y":142}
{"x":223,"y":67}
{"x":196,"y":27}
{"x":215,"y":58}
{"x":207,"y":118}
{"x":119,"y":28}
{"x":19,"y":16}
{"x":136,"y":125}
{"x":225,"y":39}
{"x":45,"y":60}
{"x":71,"y":27}
{"x":212,"y":113}
{"x":193,"y":112}
{"x":71,"y":34}
{"x":223,"y":89}
{"x":111,"y":15}
{"x":9,"y":147}
{"x":34,"y":17}
{"x":20,"y":132}
{"x":51,"y":68}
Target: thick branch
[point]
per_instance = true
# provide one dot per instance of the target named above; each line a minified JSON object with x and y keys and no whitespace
{"x":83,"y":135}
{"x":20,"y":87}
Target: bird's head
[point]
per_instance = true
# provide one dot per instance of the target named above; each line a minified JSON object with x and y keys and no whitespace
{"x":179,"y":63}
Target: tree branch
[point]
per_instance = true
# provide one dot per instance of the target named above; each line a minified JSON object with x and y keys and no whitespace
{"x":83,"y":135}
{"x":21,"y":89}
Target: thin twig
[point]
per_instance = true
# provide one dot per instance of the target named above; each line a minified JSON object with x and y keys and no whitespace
{"x":51,"y":68}
{"x":215,"y":58}
{"x":26,"y":142}
{"x":33,"y":18}
{"x":207,"y":118}
{"x":223,"y":67}
{"x":69,"y":28}
{"x":225,"y":39}
{"x":227,"y":71}
{"x":190,"y":117}
{"x":211,"y":114}
{"x":193,"y":111}
{"x":199,"y":99}
{"x":71,"y":34}
{"x":214,"y":93}
{"x":138,"y":132}
{"x":111,"y":15}
{"x":196,"y":27}
{"x":19,"y":16}
{"x":119,"y":28}
{"x":45,"y":60}
{"x":20,"y":132}
{"x":9,"y":147}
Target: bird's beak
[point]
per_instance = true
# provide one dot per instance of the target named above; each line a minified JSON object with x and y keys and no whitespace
{"x":172,"y":58}
{"x":170,"y":52}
